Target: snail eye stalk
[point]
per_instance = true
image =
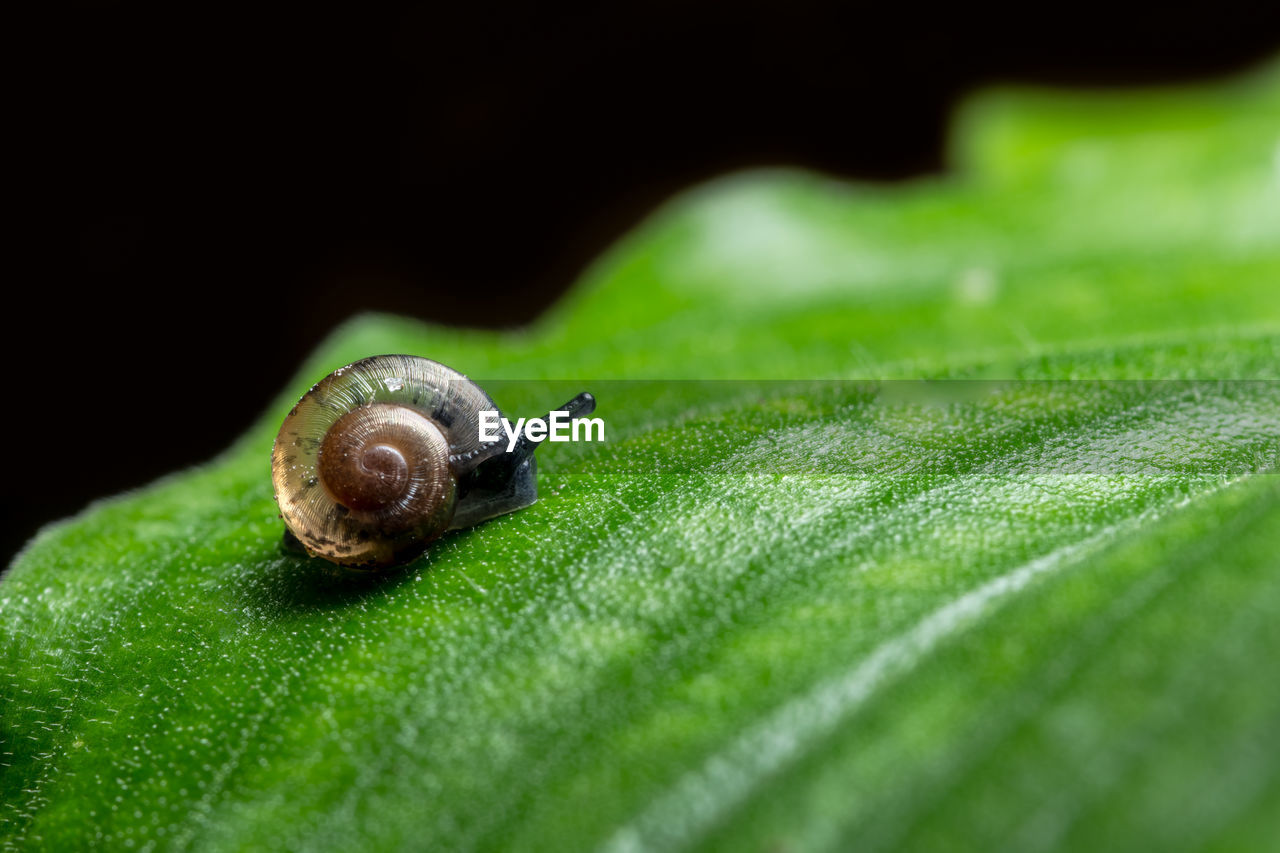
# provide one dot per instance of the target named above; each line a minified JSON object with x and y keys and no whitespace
{"x":579,"y":407}
{"x":508,"y":481}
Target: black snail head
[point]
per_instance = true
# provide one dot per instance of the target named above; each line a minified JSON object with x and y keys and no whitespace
{"x":384,"y":455}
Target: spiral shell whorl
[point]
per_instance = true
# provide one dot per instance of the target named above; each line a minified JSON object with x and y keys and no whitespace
{"x":385,"y":462}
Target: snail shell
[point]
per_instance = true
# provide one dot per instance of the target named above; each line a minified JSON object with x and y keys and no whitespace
{"x":384,"y":455}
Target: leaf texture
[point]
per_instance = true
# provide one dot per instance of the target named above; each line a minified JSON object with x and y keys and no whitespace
{"x":941,"y":515}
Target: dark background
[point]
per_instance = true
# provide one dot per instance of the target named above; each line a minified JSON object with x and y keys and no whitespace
{"x":204,"y":193}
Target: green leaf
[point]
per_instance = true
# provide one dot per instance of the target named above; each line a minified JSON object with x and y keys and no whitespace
{"x":822,"y":605}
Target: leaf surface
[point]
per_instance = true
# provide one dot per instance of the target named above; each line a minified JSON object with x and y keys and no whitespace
{"x":937,"y":515}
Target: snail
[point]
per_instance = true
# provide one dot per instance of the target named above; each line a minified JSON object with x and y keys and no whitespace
{"x":381,"y":457}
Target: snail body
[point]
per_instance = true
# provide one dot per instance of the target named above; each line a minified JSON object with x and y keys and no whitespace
{"x":381,"y":457}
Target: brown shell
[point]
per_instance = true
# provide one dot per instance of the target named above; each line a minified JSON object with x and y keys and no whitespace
{"x":366,"y":465}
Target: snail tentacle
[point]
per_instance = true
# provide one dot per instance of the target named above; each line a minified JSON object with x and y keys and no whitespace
{"x":579,"y":407}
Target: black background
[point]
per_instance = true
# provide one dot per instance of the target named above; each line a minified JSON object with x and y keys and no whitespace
{"x":204,"y":193}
